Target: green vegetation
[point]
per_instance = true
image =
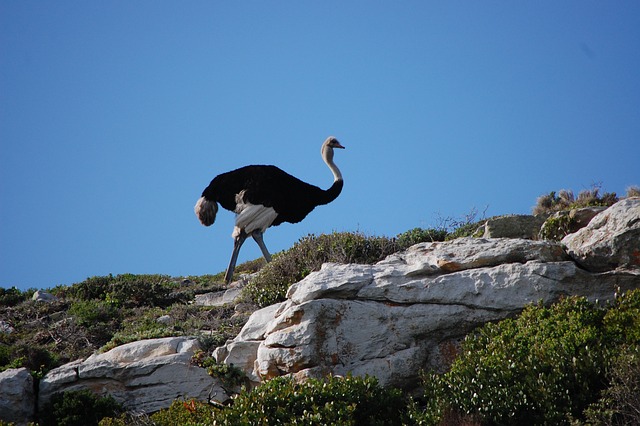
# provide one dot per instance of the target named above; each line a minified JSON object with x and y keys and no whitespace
{"x":549,"y":365}
{"x":78,"y":408}
{"x":331,"y":401}
{"x":230,"y":376}
{"x":13,"y":296}
{"x":103,"y":312}
{"x":344,"y":401}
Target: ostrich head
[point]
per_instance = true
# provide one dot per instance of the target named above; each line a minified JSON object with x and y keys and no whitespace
{"x":332,"y":142}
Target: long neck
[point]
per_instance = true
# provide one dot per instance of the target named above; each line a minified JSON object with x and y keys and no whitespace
{"x":335,"y":189}
{"x":327,"y":156}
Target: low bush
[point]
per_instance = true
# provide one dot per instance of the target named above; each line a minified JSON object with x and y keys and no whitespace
{"x":78,"y":408}
{"x":230,"y":376}
{"x":546,"y":366}
{"x":557,"y":227}
{"x":125,"y":290}
{"x":419,"y":235}
{"x":620,"y":402}
{"x":100,"y":319}
{"x":12,"y":296}
{"x":330,"y":401}
{"x":41,"y":336}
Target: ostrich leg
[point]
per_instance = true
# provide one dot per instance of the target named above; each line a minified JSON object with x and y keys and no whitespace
{"x":257,"y":236}
{"x":237,"y":243}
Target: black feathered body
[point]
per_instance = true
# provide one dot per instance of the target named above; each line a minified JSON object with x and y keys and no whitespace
{"x":269,"y":186}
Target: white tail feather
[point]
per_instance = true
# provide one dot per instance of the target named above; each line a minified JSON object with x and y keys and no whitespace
{"x":206,"y":211}
{"x":252,"y":217}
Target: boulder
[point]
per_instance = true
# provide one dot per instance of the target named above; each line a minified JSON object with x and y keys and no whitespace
{"x":611,"y":239}
{"x":224,"y":297}
{"x":43,"y":296}
{"x":218,"y":298}
{"x":406,"y":313}
{"x":17,"y":400}
{"x":513,"y":226}
{"x":164,"y":319}
{"x":144,"y":376}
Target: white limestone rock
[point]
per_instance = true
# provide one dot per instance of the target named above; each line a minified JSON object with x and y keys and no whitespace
{"x":392,"y":319}
{"x":611,"y":240}
{"x":469,"y":253}
{"x":146,"y":375}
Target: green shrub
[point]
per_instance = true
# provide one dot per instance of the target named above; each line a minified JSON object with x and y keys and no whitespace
{"x":329,"y":401}
{"x":6,"y":357}
{"x":544,"y":367}
{"x":339,"y":401}
{"x":36,"y":358}
{"x":140,"y":327}
{"x":620,"y":402}
{"x":12,"y":296}
{"x":419,"y":235}
{"x":557,"y":227}
{"x":467,"y":225}
{"x":344,"y":401}
{"x":622,"y":320}
{"x":78,"y":408}
{"x":126,"y":290}
{"x":181,"y":412}
{"x":100,"y":319}
{"x":230,"y":376}
{"x":473,"y":229}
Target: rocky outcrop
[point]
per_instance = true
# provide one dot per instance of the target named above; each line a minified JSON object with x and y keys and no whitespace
{"x":611,"y":240}
{"x":390,"y":320}
{"x":17,"y":400}
{"x":144,"y":376}
{"x":407,"y":313}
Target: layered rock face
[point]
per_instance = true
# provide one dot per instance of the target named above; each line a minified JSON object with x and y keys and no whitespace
{"x":144,"y":376}
{"x":408,"y":312}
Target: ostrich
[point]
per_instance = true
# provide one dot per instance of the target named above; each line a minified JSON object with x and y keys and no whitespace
{"x":264,"y":196}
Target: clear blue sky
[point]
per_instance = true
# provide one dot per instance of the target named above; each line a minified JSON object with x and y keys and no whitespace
{"x":114,"y":116}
